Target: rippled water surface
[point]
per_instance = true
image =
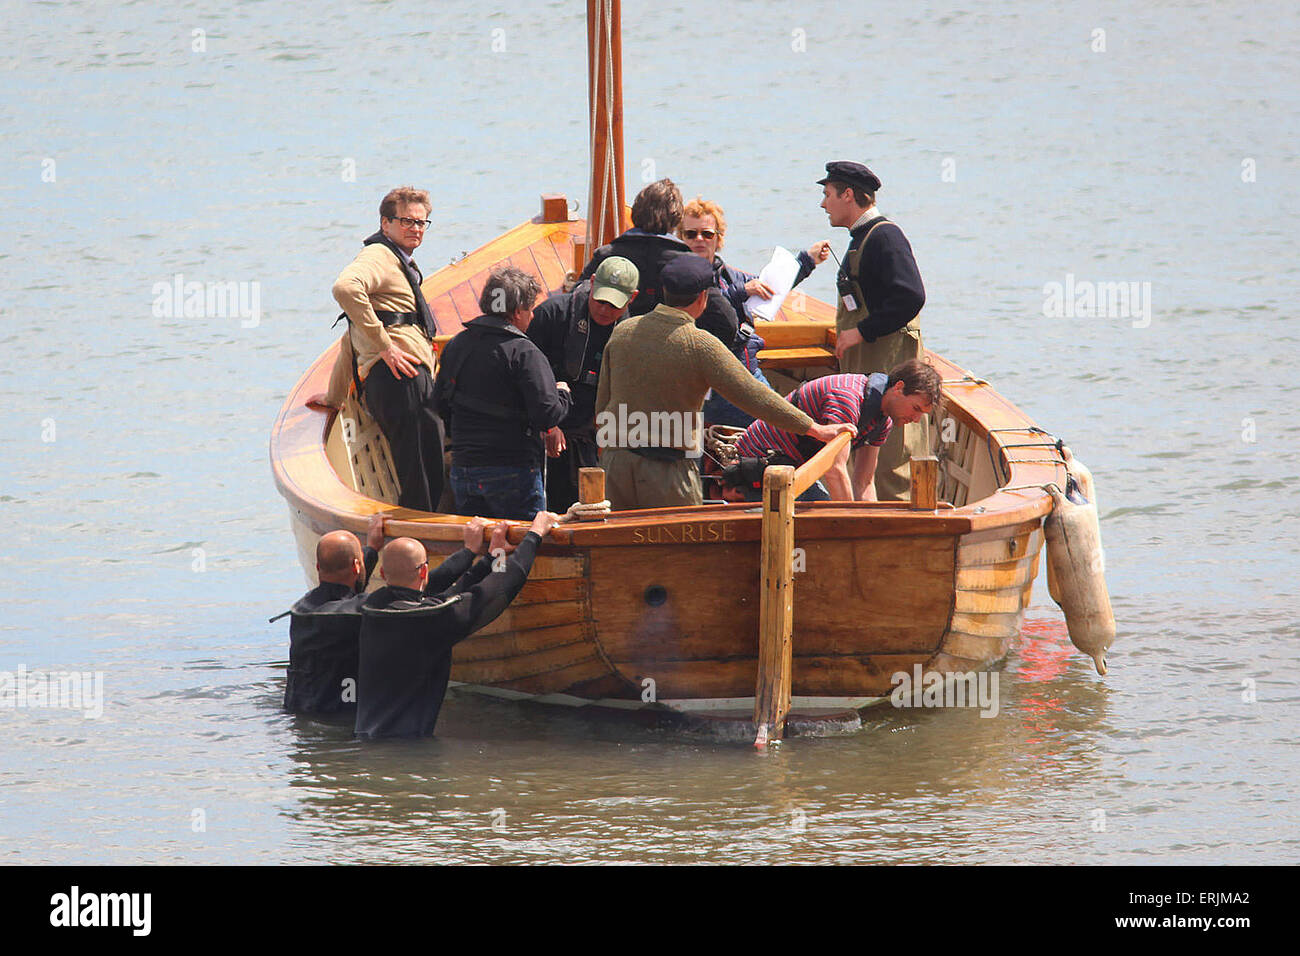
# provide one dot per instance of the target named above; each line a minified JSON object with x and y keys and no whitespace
{"x":143,"y":537}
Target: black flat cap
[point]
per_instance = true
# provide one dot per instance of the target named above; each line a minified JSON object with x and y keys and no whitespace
{"x":686,"y":274}
{"x":855,"y":174}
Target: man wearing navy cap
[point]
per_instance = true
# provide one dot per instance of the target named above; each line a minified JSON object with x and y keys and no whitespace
{"x":879,"y":296}
{"x":656,"y":370}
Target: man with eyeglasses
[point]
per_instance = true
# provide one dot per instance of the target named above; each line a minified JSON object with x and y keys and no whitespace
{"x":387,"y":351}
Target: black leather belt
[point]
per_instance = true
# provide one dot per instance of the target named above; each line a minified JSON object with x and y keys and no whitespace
{"x":397,"y":318}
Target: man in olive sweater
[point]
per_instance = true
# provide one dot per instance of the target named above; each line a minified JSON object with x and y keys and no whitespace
{"x":657,"y":368}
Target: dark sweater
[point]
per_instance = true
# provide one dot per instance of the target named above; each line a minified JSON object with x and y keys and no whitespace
{"x":889,"y":278}
{"x":506,"y":372}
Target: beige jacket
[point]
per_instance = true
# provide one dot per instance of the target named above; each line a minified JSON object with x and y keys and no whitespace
{"x":374,"y":280}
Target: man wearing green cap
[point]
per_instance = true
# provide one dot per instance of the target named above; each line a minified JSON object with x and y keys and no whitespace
{"x":571,"y":329}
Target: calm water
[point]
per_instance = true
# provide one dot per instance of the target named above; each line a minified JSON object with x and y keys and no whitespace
{"x":145,"y":540}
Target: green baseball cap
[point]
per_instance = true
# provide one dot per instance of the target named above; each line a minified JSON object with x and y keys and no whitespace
{"x":615,"y":281}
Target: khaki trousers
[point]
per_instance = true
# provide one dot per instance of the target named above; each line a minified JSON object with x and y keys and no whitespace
{"x":893,"y":473}
{"x":632,"y":481}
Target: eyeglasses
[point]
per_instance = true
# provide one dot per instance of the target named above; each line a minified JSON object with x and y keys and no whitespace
{"x":412,"y":223}
{"x":699,"y":233}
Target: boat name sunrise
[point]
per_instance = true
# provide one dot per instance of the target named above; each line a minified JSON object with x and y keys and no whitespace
{"x":701,"y":533}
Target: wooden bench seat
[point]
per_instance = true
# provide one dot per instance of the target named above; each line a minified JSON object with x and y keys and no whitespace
{"x":812,"y":356}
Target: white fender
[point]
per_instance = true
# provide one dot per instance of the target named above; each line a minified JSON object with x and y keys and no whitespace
{"x":1084,"y":477}
{"x":1074,"y":557}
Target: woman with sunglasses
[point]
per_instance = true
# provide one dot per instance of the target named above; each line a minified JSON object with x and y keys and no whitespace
{"x":703,"y":228}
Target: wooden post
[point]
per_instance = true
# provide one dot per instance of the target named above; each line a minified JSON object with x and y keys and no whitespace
{"x":580,"y":257}
{"x":776,"y":605}
{"x":555,"y":207}
{"x":591,"y":485}
{"x":925,"y":483}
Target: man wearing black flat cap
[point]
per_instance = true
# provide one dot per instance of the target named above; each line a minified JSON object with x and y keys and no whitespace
{"x":656,"y":370}
{"x":879,"y":296}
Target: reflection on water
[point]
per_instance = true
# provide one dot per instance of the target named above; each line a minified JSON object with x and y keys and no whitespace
{"x":899,"y":789}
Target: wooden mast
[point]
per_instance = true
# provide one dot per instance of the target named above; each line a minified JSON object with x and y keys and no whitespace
{"x":605,"y":201}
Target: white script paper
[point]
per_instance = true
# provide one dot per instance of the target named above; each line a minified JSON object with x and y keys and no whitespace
{"x":779,"y":275}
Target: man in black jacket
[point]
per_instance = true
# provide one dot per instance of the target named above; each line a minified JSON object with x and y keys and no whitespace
{"x":650,"y":244}
{"x":880,"y":295}
{"x":571,"y":329}
{"x":498,"y":396}
{"x":407,"y":634}
{"x":325,"y":623}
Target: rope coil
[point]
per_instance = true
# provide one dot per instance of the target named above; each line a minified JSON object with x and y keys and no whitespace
{"x":594,"y":511}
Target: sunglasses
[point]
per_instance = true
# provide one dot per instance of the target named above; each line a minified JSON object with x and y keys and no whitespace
{"x":699,"y":233}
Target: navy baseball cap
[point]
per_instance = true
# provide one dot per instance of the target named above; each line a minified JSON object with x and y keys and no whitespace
{"x":686,"y":274}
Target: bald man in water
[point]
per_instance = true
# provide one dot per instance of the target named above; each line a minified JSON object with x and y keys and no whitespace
{"x":408,"y":629}
{"x":325,"y":624}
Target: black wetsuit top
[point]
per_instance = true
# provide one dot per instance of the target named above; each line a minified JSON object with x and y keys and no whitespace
{"x":323,"y":629}
{"x":407,"y":638}
{"x":324,"y":635}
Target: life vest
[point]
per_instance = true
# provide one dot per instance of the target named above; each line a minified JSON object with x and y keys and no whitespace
{"x":421,"y":317}
{"x":851,"y":303}
{"x":577,"y":334}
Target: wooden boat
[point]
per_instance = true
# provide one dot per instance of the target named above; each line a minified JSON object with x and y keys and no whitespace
{"x":667,"y":599}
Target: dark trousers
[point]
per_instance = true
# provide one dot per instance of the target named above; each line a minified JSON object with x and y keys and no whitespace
{"x":403,"y":407}
{"x":498,"y":491}
{"x":562,"y":472}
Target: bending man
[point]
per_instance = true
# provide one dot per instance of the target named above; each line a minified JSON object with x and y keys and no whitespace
{"x":873,"y":404}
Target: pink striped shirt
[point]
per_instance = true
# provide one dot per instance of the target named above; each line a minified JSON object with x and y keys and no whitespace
{"x":828,"y":400}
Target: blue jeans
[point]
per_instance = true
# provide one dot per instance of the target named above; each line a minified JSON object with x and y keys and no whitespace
{"x":498,"y":491}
